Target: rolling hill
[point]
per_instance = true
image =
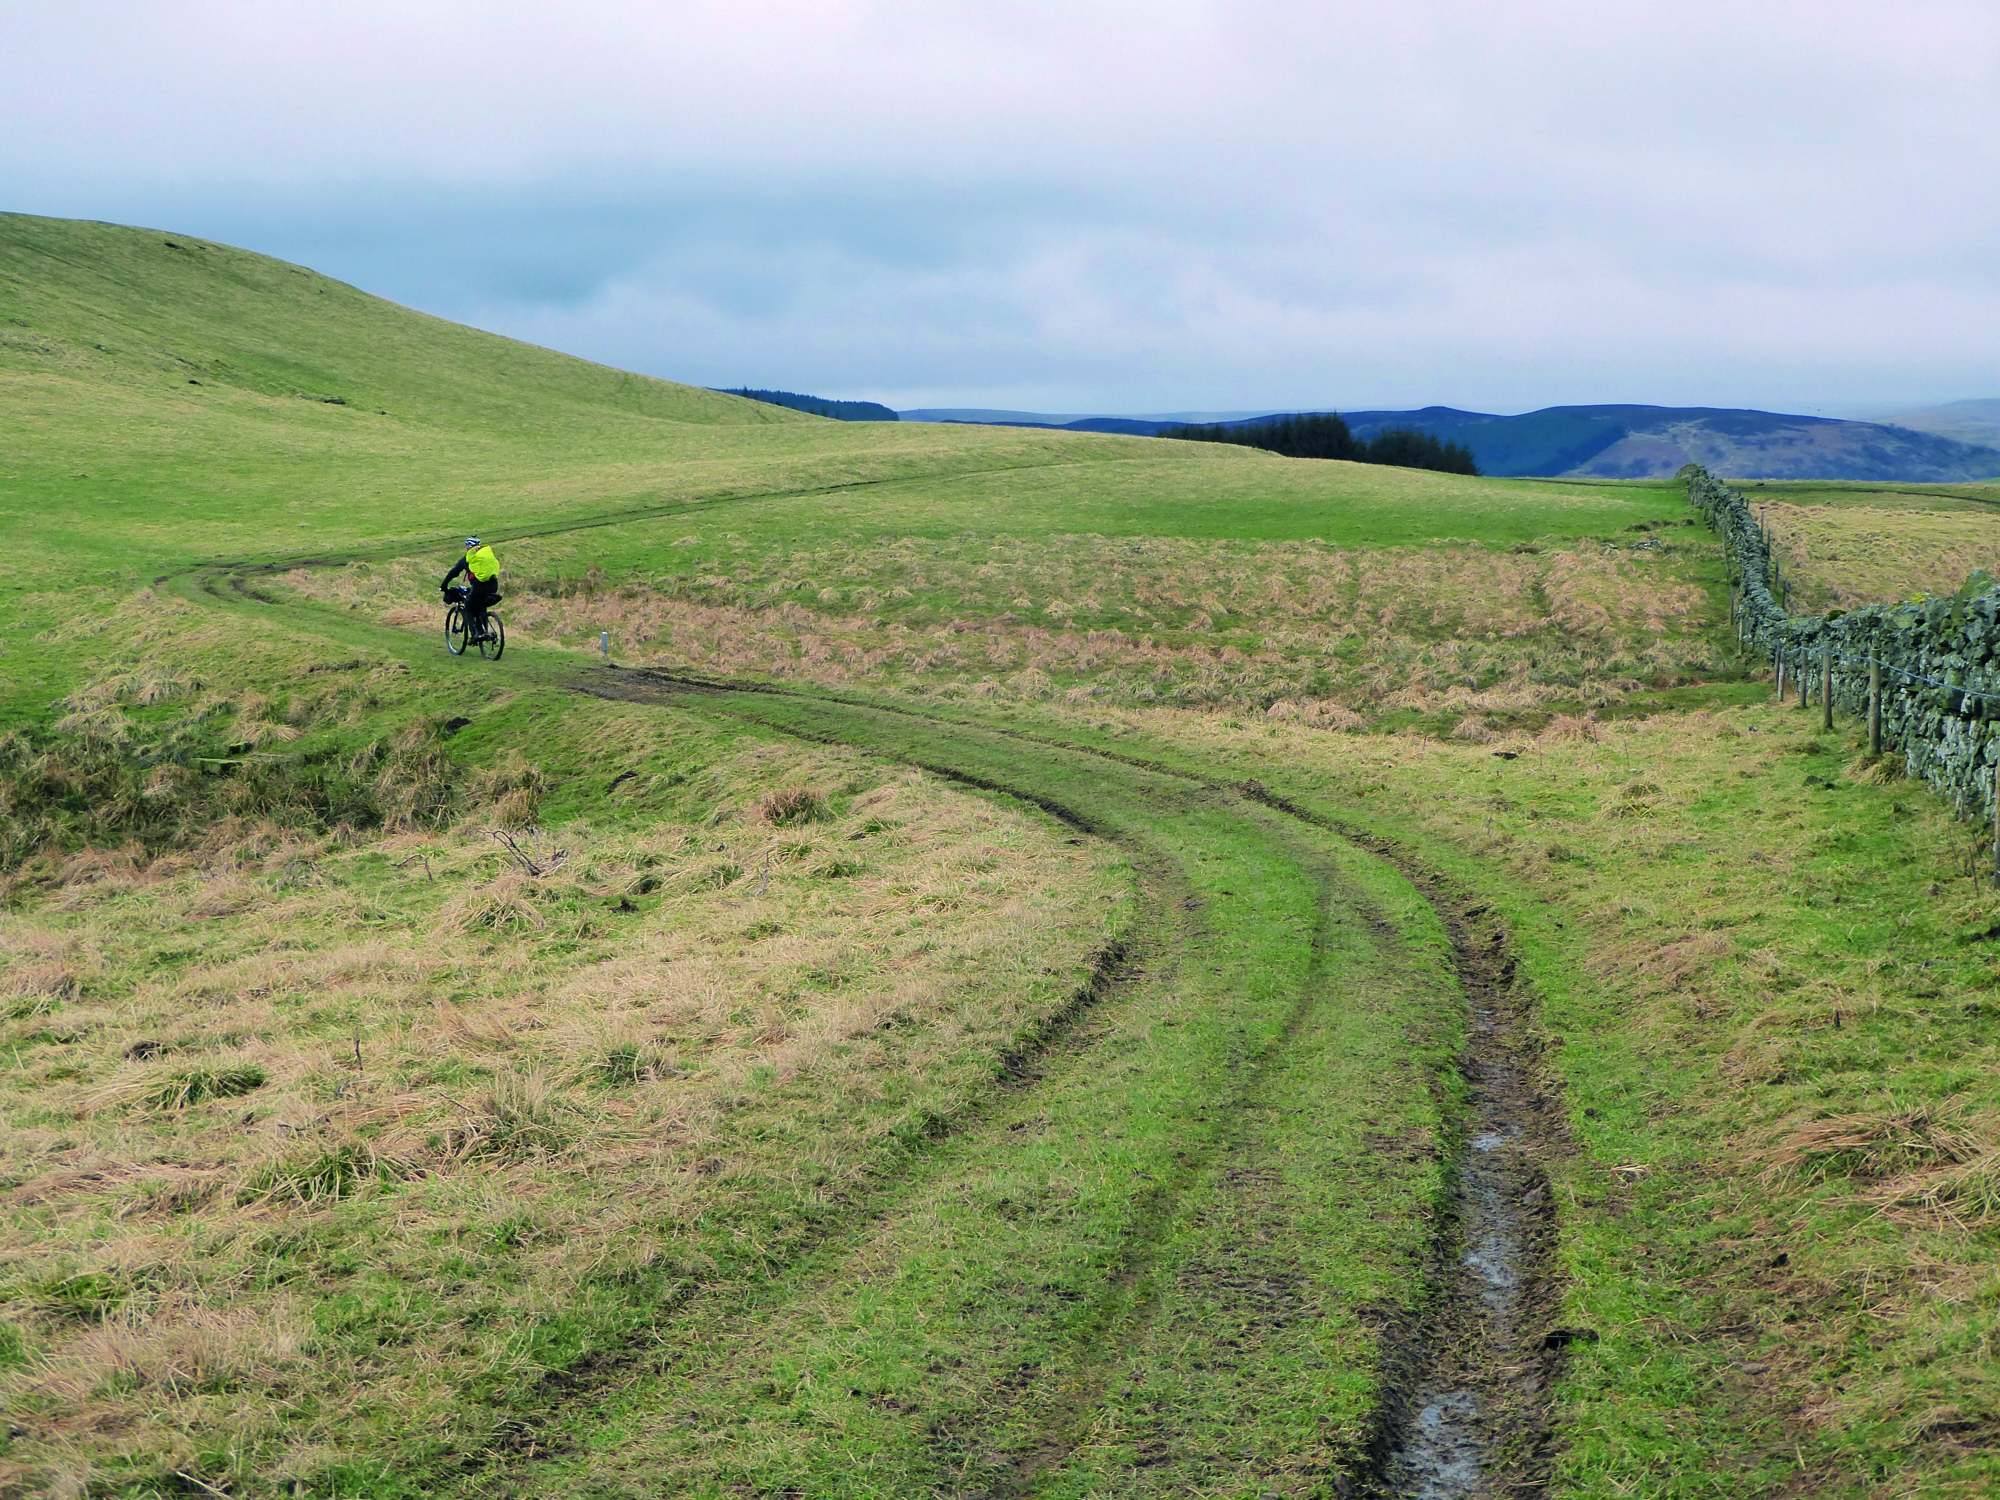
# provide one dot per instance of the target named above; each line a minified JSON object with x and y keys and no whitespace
{"x":1950,"y":445}
{"x":1023,"y":973}
{"x":1652,"y":442}
{"x":1964,"y":421}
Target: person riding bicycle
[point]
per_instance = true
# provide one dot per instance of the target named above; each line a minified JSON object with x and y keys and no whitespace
{"x":482,"y":570}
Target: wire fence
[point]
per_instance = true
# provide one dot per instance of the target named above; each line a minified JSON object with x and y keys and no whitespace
{"x":1924,"y":672}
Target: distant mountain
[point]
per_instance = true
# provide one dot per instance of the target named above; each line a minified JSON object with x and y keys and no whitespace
{"x":819,"y":406}
{"x":1625,"y":442}
{"x":1966,"y":421}
{"x":1652,"y":442}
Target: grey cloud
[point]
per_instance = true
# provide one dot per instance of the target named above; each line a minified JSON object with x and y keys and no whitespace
{"x":1089,"y":205}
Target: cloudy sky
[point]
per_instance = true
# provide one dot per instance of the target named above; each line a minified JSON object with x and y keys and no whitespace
{"x":1087,"y":206}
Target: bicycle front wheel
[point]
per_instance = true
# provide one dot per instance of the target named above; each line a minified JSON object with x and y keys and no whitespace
{"x":494,"y":641}
{"x":454,"y":631}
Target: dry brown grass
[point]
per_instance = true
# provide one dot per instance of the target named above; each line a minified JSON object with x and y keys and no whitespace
{"x":1845,"y":556}
{"x":1333,"y":632}
{"x":1874,"y":1145}
{"x":1963,"y":1197}
{"x":276,"y":1030}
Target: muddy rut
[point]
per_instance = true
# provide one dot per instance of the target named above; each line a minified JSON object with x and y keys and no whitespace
{"x":1474,"y":1417}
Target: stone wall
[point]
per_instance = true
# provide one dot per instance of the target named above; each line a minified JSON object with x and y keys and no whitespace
{"x":1939,"y":654}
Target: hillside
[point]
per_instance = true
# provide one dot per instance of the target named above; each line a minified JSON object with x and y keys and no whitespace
{"x":1043,"y":964}
{"x":1653,"y":442}
{"x":1954,"y":445}
{"x":155,"y":311}
{"x":170,"y":400}
{"x":1962,"y":421}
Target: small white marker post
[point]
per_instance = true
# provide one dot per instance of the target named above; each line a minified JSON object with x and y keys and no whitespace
{"x":604,"y":643}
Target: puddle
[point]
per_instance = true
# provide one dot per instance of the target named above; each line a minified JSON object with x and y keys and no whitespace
{"x":1477,"y":1412}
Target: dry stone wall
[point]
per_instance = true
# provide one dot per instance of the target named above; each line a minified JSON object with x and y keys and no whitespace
{"x":1939,"y":654}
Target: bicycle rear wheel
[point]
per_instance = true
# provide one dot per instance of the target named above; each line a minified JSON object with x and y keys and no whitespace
{"x":494,"y":641}
{"x":454,"y":631}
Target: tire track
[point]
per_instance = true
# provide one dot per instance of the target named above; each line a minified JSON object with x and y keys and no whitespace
{"x":1467,"y":1412}
{"x":1465,"y":1408}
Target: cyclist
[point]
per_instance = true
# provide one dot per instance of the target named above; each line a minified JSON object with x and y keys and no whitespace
{"x":482,"y":568}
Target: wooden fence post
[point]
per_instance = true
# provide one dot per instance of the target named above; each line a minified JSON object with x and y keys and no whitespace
{"x":1996,"y":823}
{"x":1874,"y":708}
{"x":1804,"y":677}
{"x":1826,"y":687}
{"x":1778,"y":659}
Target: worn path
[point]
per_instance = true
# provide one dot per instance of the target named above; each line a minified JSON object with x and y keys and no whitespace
{"x":1210,"y":1238}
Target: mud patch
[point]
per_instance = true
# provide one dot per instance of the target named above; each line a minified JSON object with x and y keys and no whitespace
{"x":1468,"y":1411}
{"x":1476,"y":1420}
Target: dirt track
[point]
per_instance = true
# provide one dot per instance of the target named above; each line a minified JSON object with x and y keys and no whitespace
{"x":1465,"y":1366}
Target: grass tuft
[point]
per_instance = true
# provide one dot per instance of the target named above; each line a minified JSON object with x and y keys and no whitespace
{"x":1874,"y":1145}
{"x":505,"y":905}
{"x":624,"y":1063}
{"x":794,"y":806}
{"x":315,"y":1179}
{"x":1964,"y":1195}
{"x":88,"y":1296}
{"x":191,"y":1086}
{"x":519,"y":1118}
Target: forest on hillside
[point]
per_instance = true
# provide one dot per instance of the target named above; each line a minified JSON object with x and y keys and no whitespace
{"x":1327,"y":435}
{"x":819,"y":406}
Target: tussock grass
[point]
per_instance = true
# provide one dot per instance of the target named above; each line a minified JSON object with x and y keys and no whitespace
{"x":1964,"y":1196}
{"x":1875,"y":1145}
{"x":318,"y":1178}
{"x":241,"y":1055}
{"x":1337,"y":636}
{"x":793,"y":806}
{"x":190,"y":1086}
{"x":519,"y":1117}
{"x":507,"y":904}
{"x":1844,"y":556}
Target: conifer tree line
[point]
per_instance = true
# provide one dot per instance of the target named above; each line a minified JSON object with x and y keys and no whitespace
{"x":818,"y":406}
{"x":1326,"y":435}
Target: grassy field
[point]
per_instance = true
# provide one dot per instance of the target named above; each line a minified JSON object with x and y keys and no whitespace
{"x":1840,"y":557}
{"x":1341,"y":635}
{"x":1024,"y":1054}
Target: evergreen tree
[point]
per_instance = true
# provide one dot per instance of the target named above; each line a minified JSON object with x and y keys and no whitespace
{"x":1307,"y":435}
{"x":819,"y":406}
{"x":1408,"y":448}
{"x":1326,"y":435}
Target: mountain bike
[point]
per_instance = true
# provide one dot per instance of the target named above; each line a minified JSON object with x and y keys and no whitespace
{"x":462,"y":629}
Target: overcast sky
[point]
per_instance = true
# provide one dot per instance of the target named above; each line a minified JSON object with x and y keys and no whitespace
{"x":1087,"y":206}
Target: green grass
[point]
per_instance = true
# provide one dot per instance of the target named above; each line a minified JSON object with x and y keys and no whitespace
{"x":761,"y":1141}
{"x":1744,"y":942}
{"x":115,"y":466}
{"x":1355,"y":634}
